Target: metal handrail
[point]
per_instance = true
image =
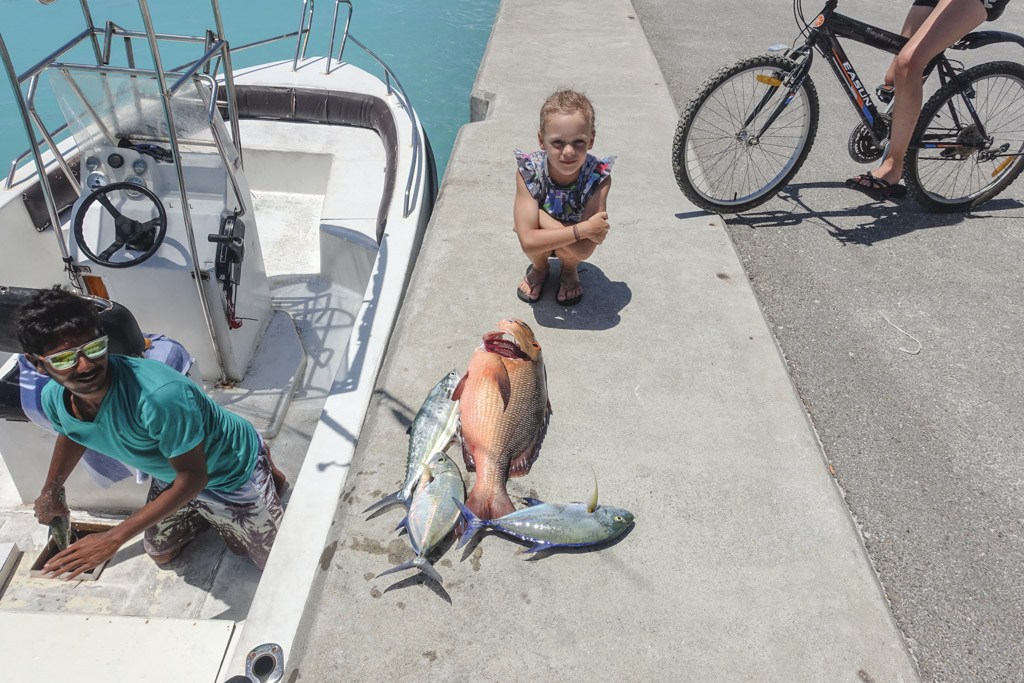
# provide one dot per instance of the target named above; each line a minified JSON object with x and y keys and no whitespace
{"x":9,"y":183}
{"x":334,"y":29}
{"x":302,"y":39}
{"x":186,"y":71}
{"x":412,"y":185}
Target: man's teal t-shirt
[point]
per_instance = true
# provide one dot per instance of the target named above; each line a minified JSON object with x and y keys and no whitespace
{"x":152,"y":413}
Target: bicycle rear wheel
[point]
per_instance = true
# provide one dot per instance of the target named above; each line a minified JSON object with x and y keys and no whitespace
{"x":948,"y":179}
{"x":720,"y":162}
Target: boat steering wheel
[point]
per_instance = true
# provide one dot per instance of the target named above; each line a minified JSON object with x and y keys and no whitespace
{"x":143,"y":236}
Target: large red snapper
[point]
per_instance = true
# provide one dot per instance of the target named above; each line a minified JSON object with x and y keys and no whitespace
{"x":504,"y":408}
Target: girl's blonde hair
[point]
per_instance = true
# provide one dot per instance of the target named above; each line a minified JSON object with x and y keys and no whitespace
{"x":568,"y":102}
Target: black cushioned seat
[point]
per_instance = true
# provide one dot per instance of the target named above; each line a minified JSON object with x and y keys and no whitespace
{"x":119,"y":325}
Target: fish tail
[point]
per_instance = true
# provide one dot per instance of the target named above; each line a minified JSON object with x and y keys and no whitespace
{"x":418,"y":562}
{"x":470,"y":523}
{"x":384,"y":502}
{"x":490,"y":503}
{"x":424,"y":566}
{"x":398,"y":568}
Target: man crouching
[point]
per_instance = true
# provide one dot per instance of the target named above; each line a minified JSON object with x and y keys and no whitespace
{"x":208,"y":466}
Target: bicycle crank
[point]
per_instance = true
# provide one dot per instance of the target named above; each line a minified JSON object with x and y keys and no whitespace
{"x":862,"y":146}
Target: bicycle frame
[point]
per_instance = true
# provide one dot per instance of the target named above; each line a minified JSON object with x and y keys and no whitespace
{"x":826,"y":30}
{"x":823,"y":35}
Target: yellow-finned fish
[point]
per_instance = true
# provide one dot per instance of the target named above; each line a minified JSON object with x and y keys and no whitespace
{"x":504,"y":408}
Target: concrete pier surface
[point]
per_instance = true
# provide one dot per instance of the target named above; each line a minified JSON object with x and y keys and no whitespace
{"x":928,"y":447}
{"x":744,"y":563}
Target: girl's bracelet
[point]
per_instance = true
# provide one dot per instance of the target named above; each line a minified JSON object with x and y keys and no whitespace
{"x":576,"y":231}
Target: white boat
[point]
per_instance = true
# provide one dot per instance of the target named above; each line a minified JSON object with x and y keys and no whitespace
{"x":275,"y":213}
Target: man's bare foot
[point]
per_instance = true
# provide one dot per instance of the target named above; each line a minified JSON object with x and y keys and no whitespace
{"x":532,"y":285}
{"x":570,"y":289}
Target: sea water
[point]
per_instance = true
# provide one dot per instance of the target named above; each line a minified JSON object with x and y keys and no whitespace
{"x":433,"y":46}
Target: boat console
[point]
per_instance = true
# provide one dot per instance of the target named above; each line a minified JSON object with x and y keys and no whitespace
{"x":132,"y":226}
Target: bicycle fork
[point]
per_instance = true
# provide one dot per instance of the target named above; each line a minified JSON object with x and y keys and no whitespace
{"x":796,"y":78}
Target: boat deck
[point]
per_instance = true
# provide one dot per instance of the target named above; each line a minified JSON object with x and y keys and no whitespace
{"x":206,"y":581}
{"x":744,"y":563}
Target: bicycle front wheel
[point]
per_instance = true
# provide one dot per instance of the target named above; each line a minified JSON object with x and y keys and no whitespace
{"x":723,"y":162}
{"x":955,"y":165}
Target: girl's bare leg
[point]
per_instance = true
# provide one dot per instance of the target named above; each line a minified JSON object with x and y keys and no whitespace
{"x":950,"y":21}
{"x":570,"y":257}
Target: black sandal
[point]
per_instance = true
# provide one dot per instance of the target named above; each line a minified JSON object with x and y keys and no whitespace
{"x":876,"y":188}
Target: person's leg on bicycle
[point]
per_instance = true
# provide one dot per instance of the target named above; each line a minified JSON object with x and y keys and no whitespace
{"x":915,"y":17}
{"x":950,"y":21}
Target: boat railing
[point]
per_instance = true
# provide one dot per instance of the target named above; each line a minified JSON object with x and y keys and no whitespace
{"x":412,"y":185}
{"x":217,"y":51}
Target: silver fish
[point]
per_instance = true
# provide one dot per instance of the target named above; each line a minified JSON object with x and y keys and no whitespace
{"x":554,"y":525}
{"x":60,"y":527}
{"x":432,"y":431}
{"x":433,"y":512}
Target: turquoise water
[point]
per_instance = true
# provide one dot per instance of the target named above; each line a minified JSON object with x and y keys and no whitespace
{"x":434,"y":47}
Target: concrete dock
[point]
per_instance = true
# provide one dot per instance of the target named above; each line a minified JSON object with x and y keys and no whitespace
{"x":744,"y":562}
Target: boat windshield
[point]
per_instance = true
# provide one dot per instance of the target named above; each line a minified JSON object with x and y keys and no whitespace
{"x":105,"y":109}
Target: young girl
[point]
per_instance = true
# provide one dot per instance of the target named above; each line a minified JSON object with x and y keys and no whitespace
{"x":561,"y":197}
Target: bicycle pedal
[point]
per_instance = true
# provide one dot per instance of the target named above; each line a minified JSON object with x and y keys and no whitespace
{"x":885,"y":93}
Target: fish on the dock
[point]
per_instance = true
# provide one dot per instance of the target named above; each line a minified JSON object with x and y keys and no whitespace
{"x":504,"y":410}
{"x":60,"y":527}
{"x":554,"y":525}
{"x":433,"y":512}
{"x":432,"y":431}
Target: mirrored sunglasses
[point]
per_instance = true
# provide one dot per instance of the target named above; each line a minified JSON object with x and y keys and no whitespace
{"x":65,"y":360}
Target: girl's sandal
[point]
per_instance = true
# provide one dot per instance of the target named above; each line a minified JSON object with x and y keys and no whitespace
{"x":573,"y":300}
{"x":539,"y":286}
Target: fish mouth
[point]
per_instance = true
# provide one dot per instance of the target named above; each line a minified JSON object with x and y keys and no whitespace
{"x":504,"y":345}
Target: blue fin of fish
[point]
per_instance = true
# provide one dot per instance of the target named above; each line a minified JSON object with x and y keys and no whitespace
{"x":532,"y":501}
{"x":473,"y":523}
{"x":538,"y":547}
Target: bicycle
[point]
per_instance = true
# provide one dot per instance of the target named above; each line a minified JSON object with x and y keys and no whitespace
{"x":749,"y":127}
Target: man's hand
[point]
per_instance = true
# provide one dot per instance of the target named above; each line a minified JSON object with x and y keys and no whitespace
{"x":47,"y":506}
{"x":83,"y":555}
{"x":596,"y":227}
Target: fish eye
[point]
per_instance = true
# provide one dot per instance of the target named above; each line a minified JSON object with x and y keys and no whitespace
{"x":620,"y":518}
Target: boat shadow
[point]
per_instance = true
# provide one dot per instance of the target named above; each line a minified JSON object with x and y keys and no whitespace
{"x":866,"y":224}
{"x":602,"y":302}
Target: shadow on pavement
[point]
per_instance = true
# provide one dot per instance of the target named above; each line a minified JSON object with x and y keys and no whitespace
{"x":603,"y":300}
{"x":872,"y":222}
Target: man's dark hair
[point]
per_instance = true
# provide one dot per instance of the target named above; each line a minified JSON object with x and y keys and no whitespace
{"x":53,"y":315}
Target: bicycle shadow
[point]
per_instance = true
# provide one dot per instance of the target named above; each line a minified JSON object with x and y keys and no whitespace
{"x":866,"y":224}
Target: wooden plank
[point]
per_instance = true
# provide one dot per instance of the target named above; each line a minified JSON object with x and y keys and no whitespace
{"x":9,"y":554}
